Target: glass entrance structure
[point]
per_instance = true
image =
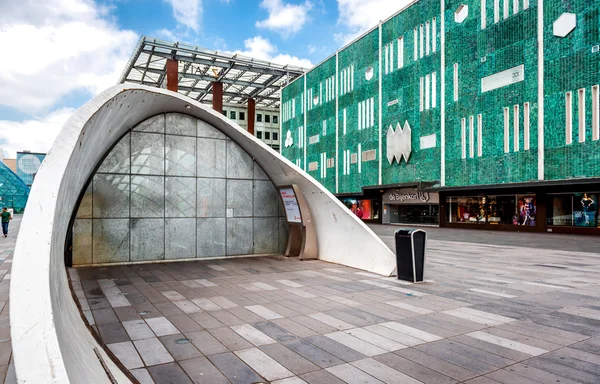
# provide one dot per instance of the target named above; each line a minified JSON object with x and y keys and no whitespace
{"x":13,"y":191}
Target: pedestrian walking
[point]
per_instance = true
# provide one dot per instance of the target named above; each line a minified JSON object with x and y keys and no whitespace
{"x":6,"y":217}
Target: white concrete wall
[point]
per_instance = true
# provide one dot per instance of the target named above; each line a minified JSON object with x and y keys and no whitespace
{"x":50,"y":341}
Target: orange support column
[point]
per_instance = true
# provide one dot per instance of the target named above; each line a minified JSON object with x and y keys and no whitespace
{"x":172,"y":74}
{"x":251,"y":115}
{"x":217,"y":96}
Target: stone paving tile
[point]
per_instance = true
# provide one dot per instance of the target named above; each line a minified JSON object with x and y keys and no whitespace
{"x":200,"y":370}
{"x":289,"y":359}
{"x":206,"y":343}
{"x":234,"y":369}
{"x":313,"y":353}
{"x":230,"y":339}
{"x":169,"y":373}
{"x":179,"y":351}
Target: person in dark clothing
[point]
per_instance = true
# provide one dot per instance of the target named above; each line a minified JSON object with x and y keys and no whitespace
{"x":6,"y":217}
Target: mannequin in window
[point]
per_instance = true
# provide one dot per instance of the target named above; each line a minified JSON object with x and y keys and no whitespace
{"x":587,"y":203}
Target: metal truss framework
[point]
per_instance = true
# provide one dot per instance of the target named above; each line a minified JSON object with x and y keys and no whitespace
{"x":242,"y":77}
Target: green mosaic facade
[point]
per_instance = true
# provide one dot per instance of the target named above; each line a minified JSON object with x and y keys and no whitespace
{"x":464,"y":76}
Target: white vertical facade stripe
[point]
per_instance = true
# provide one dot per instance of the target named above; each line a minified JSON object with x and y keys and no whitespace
{"x":400,"y":52}
{"x":568,"y":118}
{"x":352,"y":77}
{"x":344,"y":121}
{"x":526,"y":128}
{"x":372,"y":111}
{"x":427,"y":38}
{"x":463,"y":137}
{"x":516,"y":133}
{"x":345,"y":171}
{"x":496,"y":11}
{"x":505,"y":9}
{"x":515,"y":7}
{"x":359,"y":156}
{"x":506,"y":130}
{"x":455,"y":81}
{"x":595,"y":112}
{"x":434,"y":35}
{"x":359,"y":116}
{"x":525,"y":4}
{"x":416,"y":53}
{"x":308,"y":103}
{"x":433,"y":90}
{"x":483,"y":13}
{"x":479,"y":135}
{"x":421,"y":41}
{"x":379,"y":120}
{"x":471,"y":137}
{"x":421,"y":94}
{"x":443,"y":94}
{"x":540,"y":107}
{"x":337,"y":124}
{"x":391,"y":69}
{"x":427,"y":90}
{"x":324,"y":127}
{"x":293,"y":108}
{"x":581,"y":110}
{"x":320,"y":93}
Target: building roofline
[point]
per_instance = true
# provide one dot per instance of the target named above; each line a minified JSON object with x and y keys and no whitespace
{"x":410,"y":4}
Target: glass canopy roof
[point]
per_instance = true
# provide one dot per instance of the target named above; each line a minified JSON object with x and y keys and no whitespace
{"x":242,"y":77}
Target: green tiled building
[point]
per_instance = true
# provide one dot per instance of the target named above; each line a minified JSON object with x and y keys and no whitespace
{"x":490,"y":106}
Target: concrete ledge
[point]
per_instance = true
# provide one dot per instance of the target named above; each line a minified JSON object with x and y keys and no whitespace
{"x":50,"y":341}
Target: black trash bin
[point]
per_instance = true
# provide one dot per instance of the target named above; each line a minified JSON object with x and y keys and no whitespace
{"x":410,"y":253}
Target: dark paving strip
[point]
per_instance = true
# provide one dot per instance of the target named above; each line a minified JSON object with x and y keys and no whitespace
{"x":234,"y":369}
{"x":312,"y":353}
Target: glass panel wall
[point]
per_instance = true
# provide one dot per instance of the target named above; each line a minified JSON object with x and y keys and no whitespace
{"x":414,"y":214}
{"x":573,"y":209}
{"x":175,"y":187}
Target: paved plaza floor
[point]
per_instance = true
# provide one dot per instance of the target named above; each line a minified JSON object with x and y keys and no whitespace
{"x":489,"y":313}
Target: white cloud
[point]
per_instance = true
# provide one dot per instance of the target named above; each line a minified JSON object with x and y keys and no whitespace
{"x":36,"y":135}
{"x":54,"y":48}
{"x":260,"y":48}
{"x":187,"y":12}
{"x":359,"y":16}
{"x":286,"y":19}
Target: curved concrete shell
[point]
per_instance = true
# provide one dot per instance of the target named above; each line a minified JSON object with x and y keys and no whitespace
{"x":51,"y":343}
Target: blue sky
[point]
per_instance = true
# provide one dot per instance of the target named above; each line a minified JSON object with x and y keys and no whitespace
{"x":66,"y":51}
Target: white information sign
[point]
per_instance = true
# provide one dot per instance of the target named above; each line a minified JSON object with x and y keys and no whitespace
{"x":502,"y":79}
{"x":292,"y":210}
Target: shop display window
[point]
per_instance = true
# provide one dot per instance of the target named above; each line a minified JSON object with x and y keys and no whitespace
{"x":573,"y":209}
{"x":466,"y":209}
{"x":500,"y":209}
{"x":364,"y":209}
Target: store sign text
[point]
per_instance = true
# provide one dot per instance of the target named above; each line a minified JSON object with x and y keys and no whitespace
{"x":422,"y":196}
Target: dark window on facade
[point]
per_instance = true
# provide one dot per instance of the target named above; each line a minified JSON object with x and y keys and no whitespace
{"x":232,"y":115}
{"x":267,"y":118}
{"x":225,"y":113}
{"x":275,"y":119}
{"x":267,"y":135}
{"x":275,"y":147}
{"x":242,"y":116}
{"x":275,"y":136}
{"x":259,"y":117}
{"x":259,"y":134}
